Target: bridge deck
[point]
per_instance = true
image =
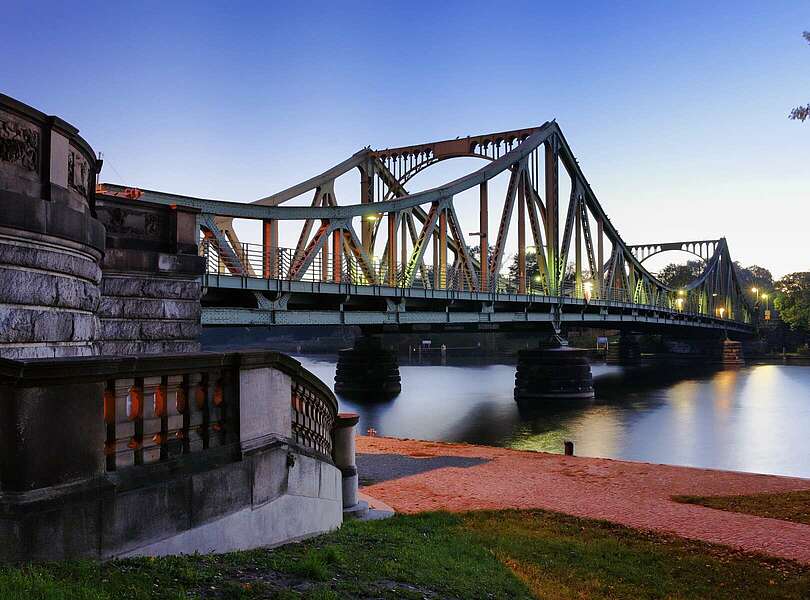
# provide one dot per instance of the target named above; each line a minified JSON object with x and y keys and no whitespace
{"x":329,"y":303}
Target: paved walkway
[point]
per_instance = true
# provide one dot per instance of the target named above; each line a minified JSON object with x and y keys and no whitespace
{"x":414,"y":476}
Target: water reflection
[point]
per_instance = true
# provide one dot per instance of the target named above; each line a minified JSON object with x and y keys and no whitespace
{"x":753,"y":419}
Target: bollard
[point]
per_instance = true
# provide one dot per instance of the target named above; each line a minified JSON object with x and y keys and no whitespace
{"x":344,"y":455}
{"x":569,"y":448}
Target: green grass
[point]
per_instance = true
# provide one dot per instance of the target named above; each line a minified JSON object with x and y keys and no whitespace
{"x":486,"y":555}
{"x":787,"y":506}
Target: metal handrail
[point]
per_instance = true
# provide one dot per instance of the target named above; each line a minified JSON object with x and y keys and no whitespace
{"x":255,"y":262}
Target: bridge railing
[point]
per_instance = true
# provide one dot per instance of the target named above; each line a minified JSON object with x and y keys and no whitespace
{"x":251,"y":260}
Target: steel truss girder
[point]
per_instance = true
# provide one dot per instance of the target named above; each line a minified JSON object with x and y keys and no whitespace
{"x":516,"y":150}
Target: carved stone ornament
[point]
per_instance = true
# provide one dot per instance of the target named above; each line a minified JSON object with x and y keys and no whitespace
{"x":78,"y":170}
{"x":133,"y":223}
{"x":19,"y":145}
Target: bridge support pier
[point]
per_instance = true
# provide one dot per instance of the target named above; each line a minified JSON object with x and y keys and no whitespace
{"x":368,"y":370}
{"x":553,"y":373}
{"x":625,"y":350}
{"x":730,"y":353}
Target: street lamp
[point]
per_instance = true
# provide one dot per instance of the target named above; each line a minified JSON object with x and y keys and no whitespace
{"x":722,"y":312}
{"x":765,"y":297}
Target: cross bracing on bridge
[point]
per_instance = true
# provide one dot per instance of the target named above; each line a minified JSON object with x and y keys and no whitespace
{"x":570,"y":257}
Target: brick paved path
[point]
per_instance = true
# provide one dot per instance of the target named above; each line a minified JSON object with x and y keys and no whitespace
{"x":629,"y":493}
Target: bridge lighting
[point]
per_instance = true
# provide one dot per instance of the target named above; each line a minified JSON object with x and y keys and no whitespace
{"x":371,"y":217}
{"x":679,"y":304}
{"x":587,"y":290}
{"x":722,"y":312}
{"x":682,"y":292}
{"x":754,"y":289}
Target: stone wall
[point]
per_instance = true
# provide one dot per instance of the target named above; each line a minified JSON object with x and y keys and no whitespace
{"x":50,"y":241}
{"x":79,"y":274}
{"x":150,"y":289}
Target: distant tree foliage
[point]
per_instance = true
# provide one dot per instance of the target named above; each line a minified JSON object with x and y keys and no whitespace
{"x":531,"y":266}
{"x":677,"y":276}
{"x":793,"y":300}
{"x":754,"y":277}
{"x":801,"y":113}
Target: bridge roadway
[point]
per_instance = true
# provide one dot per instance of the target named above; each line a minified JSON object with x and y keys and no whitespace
{"x":329,"y":303}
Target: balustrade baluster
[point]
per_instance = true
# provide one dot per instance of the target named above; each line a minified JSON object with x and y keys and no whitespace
{"x":135,"y":414}
{"x":110,"y":441}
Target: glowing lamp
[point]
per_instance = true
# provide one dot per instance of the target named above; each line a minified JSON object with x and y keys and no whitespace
{"x":587,"y":290}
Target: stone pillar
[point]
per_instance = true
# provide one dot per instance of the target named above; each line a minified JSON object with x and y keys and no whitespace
{"x":150,"y":286}
{"x":343,"y":451}
{"x":368,"y":371}
{"x":731,"y":353}
{"x":51,"y":243}
{"x":624,"y":350}
{"x":553,"y":373}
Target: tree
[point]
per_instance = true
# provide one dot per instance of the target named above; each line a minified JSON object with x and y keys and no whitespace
{"x":793,"y":300}
{"x":531,"y":267}
{"x":677,"y":276}
{"x":754,"y":276}
{"x":800,"y":113}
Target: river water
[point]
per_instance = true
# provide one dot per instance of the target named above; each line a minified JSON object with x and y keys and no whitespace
{"x":753,"y":419}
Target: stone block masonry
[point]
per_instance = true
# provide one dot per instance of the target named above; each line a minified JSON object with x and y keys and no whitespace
{"x":144,"y":315}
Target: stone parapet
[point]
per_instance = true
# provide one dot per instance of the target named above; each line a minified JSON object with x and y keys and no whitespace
{"x":106,"y":456}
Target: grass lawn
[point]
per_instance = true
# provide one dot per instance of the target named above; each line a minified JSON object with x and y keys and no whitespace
{"x":487,"y":555}
{"x":788,"y":506}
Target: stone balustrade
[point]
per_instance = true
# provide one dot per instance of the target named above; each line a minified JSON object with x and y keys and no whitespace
{"x":158,"y":454}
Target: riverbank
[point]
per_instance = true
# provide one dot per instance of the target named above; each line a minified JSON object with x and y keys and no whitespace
{"x":416,"y":476}
{"x":479,"y":555}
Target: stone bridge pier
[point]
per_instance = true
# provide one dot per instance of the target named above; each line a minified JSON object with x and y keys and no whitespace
{"x":553,"y":371}
{"x":624,"y":350}
{"x":367,"y":370}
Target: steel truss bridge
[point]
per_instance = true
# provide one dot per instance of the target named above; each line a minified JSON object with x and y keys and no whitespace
{"x":367,"y":264}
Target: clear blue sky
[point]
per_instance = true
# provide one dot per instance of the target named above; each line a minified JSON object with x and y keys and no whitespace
{"x":675,"y":110}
